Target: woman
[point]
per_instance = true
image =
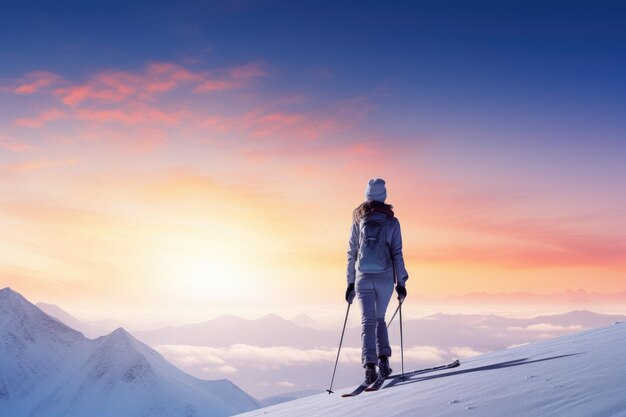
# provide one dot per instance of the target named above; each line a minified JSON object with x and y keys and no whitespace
{"x":375,"y":264}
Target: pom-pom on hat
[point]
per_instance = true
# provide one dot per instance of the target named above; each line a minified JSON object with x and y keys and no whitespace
{"x":375,"y":190}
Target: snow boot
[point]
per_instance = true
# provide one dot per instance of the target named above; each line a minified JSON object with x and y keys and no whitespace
{"x":383,"y":366}
{"x":370,"y":373}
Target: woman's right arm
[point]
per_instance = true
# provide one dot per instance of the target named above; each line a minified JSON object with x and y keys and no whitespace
{"x":396,"y":255}
{"x":353,"y":246}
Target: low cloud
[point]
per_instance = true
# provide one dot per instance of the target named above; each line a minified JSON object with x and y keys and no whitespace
{"x":261,"y":357}
{"x":225,"y":369}
{"x":422,"y":354}
{"x":465,"y":352}
{"x":546,"y":327}
{"x":224,"y":358}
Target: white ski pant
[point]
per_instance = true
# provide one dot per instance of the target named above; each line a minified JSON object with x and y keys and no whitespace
{"x":374,"y":292}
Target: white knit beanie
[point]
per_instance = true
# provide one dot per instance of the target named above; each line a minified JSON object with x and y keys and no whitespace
{"x":376,"y":190}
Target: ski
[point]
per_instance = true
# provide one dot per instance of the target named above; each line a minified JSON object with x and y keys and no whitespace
{"x":453,"y":364}
{"x":358,"y":389}
{"x":380,"y":380}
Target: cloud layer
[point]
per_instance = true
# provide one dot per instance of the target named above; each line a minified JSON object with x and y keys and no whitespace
{"x":242,"y":356}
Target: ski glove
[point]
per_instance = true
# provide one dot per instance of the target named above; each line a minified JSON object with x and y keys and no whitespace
{"x":350,"y":293}
{"x":401,"y":290}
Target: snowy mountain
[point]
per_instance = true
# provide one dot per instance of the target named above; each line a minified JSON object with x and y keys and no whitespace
{"x":582,"y":374}
{"x":47,"y":368}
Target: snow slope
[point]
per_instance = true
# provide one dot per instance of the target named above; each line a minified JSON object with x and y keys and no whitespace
{"x":288,"y":396}
{"x":49,"y":369}
{"x":582,"y":374}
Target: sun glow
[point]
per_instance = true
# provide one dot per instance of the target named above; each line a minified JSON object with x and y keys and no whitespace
{"x":202,"y":267}
{"x":211,"y":278}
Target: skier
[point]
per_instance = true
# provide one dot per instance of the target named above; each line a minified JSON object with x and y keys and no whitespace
{"x":375,"y":264}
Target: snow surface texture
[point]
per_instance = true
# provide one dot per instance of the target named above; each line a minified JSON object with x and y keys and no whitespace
{"x":48,"y":369}
{"x":583,"y":374}
{"x":289,"y":396}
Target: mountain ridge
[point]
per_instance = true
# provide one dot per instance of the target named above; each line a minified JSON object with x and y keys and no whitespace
{"x":47,"y":368}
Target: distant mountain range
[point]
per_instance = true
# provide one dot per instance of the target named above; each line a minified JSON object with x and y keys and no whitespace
{"x":269,"y":330}
{"x":50,"y":369}
{"x":441,"y":330}
{"x":270,"y":356}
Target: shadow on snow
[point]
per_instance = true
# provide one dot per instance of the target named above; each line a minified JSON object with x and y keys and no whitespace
{"x":518,"y":362}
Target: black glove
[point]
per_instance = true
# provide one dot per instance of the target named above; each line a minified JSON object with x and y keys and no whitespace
{"x":350,"y":293}
{"x":401,"y":290}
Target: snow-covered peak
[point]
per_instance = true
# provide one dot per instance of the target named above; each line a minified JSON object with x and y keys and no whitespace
{"x":8,"y":292}
{"x":119,"y":349}
{"x":47,"y":368}
{"x":121,"y":341}
{"x":120,"y":333}
{"x":33,"y":346}
{"x":11,"y":299}
{"x":23,"y":321}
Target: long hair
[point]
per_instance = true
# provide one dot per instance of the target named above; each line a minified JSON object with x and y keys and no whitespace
{"x":368,"y":207}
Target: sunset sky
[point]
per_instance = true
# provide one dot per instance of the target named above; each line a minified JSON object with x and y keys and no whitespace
{"x":157,"y":156}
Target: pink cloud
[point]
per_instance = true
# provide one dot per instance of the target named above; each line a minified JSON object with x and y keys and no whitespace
{"x":486,"y":228}
{"x":130,"y":115}
{"x":237,"y":77}
{"x":131,"y":98}
{"x":559,"y":244}
{"x":217,"y":85}
{"x":275,"y":123}
{"x":506,"y":255}
{"x":277,"y":126}
{"x":13,"y":146}
{"x":72,"y":96}
{"x":32,"y":82}
{"x":362,"y":149}
{"x":133,"y":139}
{"x":36,"y":165}
{"x":172,"y":74}
{"x":41,"y":119}
{"x":293,"y":126}
{"x":156,"y":78}
{"x":218,"y":123}
{"x":248,"y":72}
{"x":116,"y":86}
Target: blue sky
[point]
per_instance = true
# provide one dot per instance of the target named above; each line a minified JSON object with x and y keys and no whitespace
{"x":483,"y":116}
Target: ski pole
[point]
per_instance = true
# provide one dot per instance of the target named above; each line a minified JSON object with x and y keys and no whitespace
{"x":401,"y":341}
{"x":394,"y":313}
{"x":330,"y":389}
